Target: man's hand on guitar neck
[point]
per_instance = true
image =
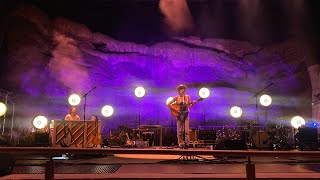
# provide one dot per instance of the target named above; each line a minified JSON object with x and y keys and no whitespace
{"x":193,"y":103}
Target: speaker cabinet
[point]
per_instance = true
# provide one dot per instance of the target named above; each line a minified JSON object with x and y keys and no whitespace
{"x":308,"y":135}
{"x":41,"y":139}
{"x":308,"y":138}
{"x":231,"y":145}
{"x":207,"y":135}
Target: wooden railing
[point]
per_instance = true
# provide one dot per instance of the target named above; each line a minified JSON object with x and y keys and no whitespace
{"x":250,"y":166}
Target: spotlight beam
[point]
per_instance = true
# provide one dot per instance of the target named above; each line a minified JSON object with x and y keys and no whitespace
{"x":265,"y":100}
{"x":204,"y":92}
{"x":139,"y":92}
{"x":297,"y":121}
{"x":168,"y":100}
{"x":107,"y":111}
{"x":40,"y":122}
{"x":236,"y":112}
{"x":3,"y":109}
{"x":74,"y":99}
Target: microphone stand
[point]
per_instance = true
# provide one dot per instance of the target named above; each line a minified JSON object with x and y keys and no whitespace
{"x":84,"y":112}
{"x":257,"y":116}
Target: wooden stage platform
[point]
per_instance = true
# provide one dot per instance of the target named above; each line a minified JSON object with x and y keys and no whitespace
{"x":156,"y":163}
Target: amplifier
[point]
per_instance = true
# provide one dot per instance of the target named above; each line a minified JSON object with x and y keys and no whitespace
{"x":207,"y":135}
{"x":308,"y":135}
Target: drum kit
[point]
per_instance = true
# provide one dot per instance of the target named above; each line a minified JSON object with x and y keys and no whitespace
{"x":276,"y":137}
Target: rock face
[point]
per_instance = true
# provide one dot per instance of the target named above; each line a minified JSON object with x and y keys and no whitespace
{"x":52,"y":58}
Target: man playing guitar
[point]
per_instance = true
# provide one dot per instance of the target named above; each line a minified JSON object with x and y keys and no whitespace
{"x":184,"y":102}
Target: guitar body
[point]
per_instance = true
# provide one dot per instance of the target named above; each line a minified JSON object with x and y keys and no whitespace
{"x":97,"y":140}
{"x":66,"y":141}
{"x":177,"y":108}
{"x":129,"y":142}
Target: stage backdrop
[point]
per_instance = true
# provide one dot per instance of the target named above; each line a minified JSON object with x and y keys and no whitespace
{"x":49,"y":59}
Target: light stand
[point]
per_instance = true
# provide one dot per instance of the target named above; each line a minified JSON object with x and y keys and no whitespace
{"x":4,"y":116}
{"x":84,"y":113}
{"x":12,"y":118}
{"x":236,"y":112}
{"x":139,"y":92}
{"x":204,"y":116}
{"x":257,"y":110}
{"x":13,"y":108}
{"x":171,"y":119}
{"x":204,"y":93}
{"x":139,"y":122}
{"x":268,"y":125}
{"x":5,"y":94}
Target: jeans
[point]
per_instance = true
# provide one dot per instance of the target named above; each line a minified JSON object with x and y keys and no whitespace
{"x":183,"y":126}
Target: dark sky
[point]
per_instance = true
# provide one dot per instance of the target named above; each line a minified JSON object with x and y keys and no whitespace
{"x":262,"y":22}
{"x":141,"y":20}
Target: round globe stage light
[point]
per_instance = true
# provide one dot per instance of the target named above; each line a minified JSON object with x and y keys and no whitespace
{"x":139,"y":92}
{"x":297,"y":121}
{"x":3,"y":109}
{"x":107,"y":111}
{"x":236,"y":112}
{"x":40,"y":122}
{"x":168,"y":100}
{"x":204,"y":92}
{"x":265,"y":100}
{"x":74,"y":99}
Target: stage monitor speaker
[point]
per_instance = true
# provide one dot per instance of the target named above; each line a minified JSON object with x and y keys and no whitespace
{"x":207,"y":135}
{"x":308,"y":135}
{"x":231,"y":145}
{"x":41,"y":139}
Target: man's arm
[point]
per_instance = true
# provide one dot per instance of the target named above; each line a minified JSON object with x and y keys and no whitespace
{"x":172,"y":101}
{"x":191,"y":103}
{"x":67,"y":117}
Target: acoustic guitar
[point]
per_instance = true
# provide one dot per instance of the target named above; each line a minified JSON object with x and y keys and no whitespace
{"x":97,"y":140}
{"x":129,"y":142}
{"x":177,"y":109}
{"x":67,"y":138}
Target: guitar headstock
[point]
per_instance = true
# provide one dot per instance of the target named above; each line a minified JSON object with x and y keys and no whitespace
{"x":200,"y":99}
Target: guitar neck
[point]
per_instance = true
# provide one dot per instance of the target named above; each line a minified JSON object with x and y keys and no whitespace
{"x":200,"y":99}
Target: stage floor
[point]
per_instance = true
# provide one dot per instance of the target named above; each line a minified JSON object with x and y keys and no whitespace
{"x":166,"y":166}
